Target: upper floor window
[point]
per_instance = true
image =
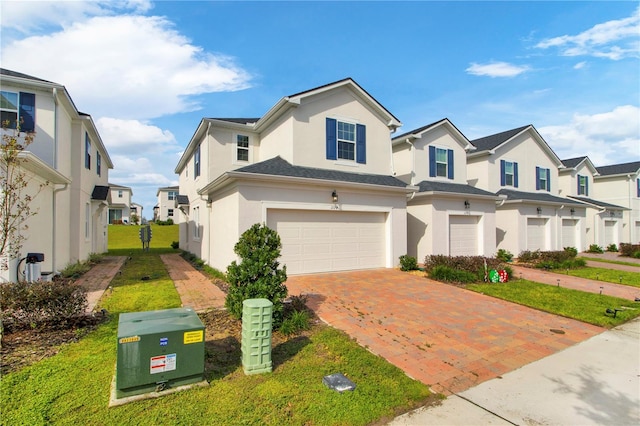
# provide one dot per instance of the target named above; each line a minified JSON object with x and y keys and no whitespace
{"x":87,"y":151}
{"x":119,"y":193}
{"x":242,"y":148}
{"x":98,"y":164}
{"x":440,"y":162}
{"x":171,"y":195}
{"x":196,"y":162}
{"x":543,"y":179}
{"x":18,"y":108}
{"x":508,"y":173}
{"x":583,"y":185}
{"x":345,"y":141}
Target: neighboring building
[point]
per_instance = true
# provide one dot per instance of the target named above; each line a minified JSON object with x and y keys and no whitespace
{"x":519,"y":166}
{"x":619,"y":184}
{"x":603,"y":220}
{"x":317,"y":168}
{"x":67,"y":152}
{"x":136,"y":209}
{"x":120,"y":204}
{"x":446,"y":215}
{"x":167,"y":207}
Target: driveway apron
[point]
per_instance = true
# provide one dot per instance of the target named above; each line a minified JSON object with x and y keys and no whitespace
{"x":446,"y":337}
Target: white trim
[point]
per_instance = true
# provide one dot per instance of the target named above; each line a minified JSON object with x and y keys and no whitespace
{"x":234,"y":153}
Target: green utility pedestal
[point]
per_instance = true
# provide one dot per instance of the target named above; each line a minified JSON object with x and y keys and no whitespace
{"x":256,"y":335}
{"x":158,"y":350}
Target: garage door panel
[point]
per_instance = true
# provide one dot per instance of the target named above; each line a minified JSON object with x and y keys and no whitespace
{"x":536,"y":234}
{"x":569,"y":232}
{"x":321,"y":241}
{"x":463,"y":235}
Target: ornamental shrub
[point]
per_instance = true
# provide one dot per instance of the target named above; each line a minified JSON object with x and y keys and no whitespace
{"x":504,"y":255}
{"x":612,"y":247}
{"x":572,"y":251}
{"x":627,"y":249}
{"x":258,"y":274}
{"x":594,"y":248}
{"x":448,"y":274}
{"x":408,"y":263}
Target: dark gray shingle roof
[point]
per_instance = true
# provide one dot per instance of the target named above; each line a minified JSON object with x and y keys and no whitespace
{"x":438,"y":186}
{"x":420,"y":129}
{"x":488,"y":143}
{"x":598,"y":203}
{"x":4,"y":71}
{"x":182,"y":200}
{"x":100,"y":192}
{"x":618,"y":169}
{"x":237,"y":120}
{"x":572,"y":162}
{"x":542,"y":197}
{"x":279,"y":167}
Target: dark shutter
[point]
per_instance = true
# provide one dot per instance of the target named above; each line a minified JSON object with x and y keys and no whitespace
{"x":450,"y":164}
{"x":548,"y":180}
{"x":503,"y":179}
{"x":537,"y":177}
{"x":361,"y":144}
{"x":578,"y":185}
{"x":586,"y":186}
{"x":332,"y":140}
{"x":27,"y":112}
{"x":515,"y":175}
{"x":432,"y":161}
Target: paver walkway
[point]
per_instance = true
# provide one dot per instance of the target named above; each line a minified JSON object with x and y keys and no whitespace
{"x":195,"y":289}
{"x":97,"y":279}
{"x":577,"y":283}
{"x":444,"y":336}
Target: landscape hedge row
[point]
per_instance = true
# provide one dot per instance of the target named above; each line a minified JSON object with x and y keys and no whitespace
{"x":462,"y":269}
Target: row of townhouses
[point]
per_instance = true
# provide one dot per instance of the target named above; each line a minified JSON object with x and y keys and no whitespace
{"x":325,"y":169}
{"x":77,"y":203}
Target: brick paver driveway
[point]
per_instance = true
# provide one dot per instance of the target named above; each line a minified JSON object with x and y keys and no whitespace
{"x":444,"y":336}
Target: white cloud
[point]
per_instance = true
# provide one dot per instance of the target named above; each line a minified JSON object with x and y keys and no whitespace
{"x":606,"y":138}
{"x":614,"y":40}
{"x":497,"y":69}
{"x":126,"y":135}
{"x":580,"y":65}
{"x":127,"y":67}
{"x":31,"y":15}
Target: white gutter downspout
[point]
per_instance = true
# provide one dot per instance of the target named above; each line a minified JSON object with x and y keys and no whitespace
{"x":393,"y":170}
{"x":53,"y":228}
{"x":595,"y":225}
{"x":413,"y":166}
{"x":55,"y":129}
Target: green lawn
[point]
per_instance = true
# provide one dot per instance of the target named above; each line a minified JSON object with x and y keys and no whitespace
{"x":127,"y":237}
{"x":72,"y":387}
{"x":604,"y":274}
{"x":617,"y":262}
{"x":582,"y":306}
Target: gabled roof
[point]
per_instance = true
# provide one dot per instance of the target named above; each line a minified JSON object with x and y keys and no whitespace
{"x":114,"y":186}
{"x":417,"y":133}
{"x":167,"y":188}
{"x":489,"y":144}
{"x":573,"y":163}
{"x":619,"y":169}
{"x":61,"y":95}
{"x":597,"y":203}
{"x":452,"y":188}
{"x":536,"y":197}
{"x":100,"y":192}
{"x":283,"y":105}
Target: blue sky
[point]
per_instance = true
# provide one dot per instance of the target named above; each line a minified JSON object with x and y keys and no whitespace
{"x":147,"y":71}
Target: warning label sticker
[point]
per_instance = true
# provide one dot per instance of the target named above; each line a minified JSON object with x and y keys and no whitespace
{"x":193,"y":336}
{"x":162,"y":363}
{"x":131,"y":339}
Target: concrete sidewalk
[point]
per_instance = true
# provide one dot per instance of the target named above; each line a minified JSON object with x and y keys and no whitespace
{"x":596,"y":382}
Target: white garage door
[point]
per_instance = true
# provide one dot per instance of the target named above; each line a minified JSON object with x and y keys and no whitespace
{"x":536,"y":234}
{"x":569,"y":233}
{"x":463,"y":235}
{"x":326,"y":241}
{"x":609,"y":232}
{"x":637,"y":232}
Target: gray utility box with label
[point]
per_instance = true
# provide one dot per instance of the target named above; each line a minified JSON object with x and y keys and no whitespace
{"x":256,"y":335}
{"x":158,"y":350}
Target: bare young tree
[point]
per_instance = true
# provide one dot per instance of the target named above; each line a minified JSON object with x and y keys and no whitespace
{"x":16,"y":193}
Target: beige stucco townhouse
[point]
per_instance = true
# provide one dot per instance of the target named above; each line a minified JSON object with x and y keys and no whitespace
{"x":619,"y":184}
{"x":317,"y":168}
{"x":68,"y":153}
{"x":446,"y":215}
{"x":120,"y":204}
{"x":519,"y":166}
{"x":603,"y":220}
{"x":167,"y":207}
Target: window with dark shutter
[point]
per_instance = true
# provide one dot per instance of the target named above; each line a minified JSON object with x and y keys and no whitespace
{"x":27,"y":112}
